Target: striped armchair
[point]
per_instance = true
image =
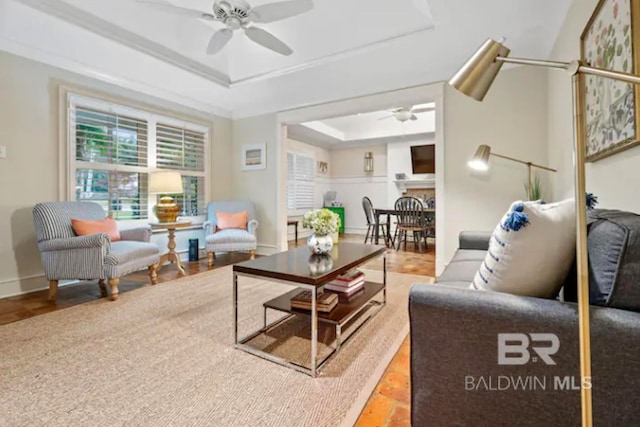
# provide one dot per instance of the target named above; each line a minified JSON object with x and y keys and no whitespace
{"x":66,"y":256}
{"x":233,"y":240}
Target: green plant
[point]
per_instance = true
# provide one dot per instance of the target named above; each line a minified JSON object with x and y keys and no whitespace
{"x":323,"y":222}
{"x":534,"y":192}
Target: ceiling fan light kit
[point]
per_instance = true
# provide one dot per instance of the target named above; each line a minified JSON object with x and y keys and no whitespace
{"x":404,"y":114}
{"x":239,"y":15}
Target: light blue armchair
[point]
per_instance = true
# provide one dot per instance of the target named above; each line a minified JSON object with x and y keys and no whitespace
{"x":231,"y":240}
{"x":66,"y":256}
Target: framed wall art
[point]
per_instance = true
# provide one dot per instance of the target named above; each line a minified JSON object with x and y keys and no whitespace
{"x":254,"y":157}
{"x":323,"y":167}
{"x":611,"y":40}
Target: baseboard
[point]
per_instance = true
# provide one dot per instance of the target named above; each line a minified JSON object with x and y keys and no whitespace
{"x":355,"y":230}
{"x":267,"y":250}
{"x":23,"y":285}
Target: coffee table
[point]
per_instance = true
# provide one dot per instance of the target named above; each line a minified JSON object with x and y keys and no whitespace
{"x":293,"y":268}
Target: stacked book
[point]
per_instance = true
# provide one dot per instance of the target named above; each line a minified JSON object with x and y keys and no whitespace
{"x":348,"y":284}
{"x":325,"y":301}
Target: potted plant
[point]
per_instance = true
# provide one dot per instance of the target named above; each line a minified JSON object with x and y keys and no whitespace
{"x":323,"y":223}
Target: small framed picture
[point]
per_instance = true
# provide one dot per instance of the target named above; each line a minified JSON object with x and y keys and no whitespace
{"x":254,"y":157}
{"x":323,"y":167}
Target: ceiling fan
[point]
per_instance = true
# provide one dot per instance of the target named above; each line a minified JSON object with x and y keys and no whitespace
{"x":404,"y":114}
{"x":238,"y":14}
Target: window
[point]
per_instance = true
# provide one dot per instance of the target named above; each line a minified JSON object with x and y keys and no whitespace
{"x":114,"y":148}
{"x":301,"y":179}
{"x":183,"y":150}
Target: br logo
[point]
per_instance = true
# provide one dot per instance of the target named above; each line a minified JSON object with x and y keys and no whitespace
{"x":515,"y":349}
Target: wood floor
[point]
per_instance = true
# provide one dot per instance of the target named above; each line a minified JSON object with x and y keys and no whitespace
{"x":388,"y":406}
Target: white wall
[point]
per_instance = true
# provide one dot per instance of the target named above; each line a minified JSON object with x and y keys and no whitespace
{"x":513,"y":121}
{"x":610,"y":179}
{"x":29,"y":128}
{"x":399,"y":161}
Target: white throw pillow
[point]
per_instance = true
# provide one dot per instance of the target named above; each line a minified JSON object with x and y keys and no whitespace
{"x":531,"y":250}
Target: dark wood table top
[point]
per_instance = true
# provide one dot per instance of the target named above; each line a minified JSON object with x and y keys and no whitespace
{"x":294,"y":264}
{"x":390,"y":211}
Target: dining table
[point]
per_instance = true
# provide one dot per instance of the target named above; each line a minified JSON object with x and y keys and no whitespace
{"x":430,"y":215}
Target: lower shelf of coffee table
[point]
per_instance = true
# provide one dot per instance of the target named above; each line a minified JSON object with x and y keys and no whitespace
{"x":345,"y":308}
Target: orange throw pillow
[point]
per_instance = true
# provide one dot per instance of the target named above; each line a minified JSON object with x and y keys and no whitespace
{"x":84,"y":227}
{"x":232,"y":220}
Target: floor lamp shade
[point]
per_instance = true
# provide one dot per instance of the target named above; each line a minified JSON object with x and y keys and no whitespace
{"x":166,"y":183}
{"x":477,"y":74}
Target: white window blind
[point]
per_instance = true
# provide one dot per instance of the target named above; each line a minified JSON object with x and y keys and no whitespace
{"x":114,"y":148}
{"x":111,"y":139}
{"x":301,"y":177}
{"x":179,"y":148}
{"x":183,"y":149}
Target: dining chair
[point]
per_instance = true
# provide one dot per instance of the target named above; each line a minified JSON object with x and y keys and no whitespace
{"x":411,"y":219}
{"x":382,"y":227}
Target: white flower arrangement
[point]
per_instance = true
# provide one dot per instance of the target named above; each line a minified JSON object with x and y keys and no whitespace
{"x":323,"y":222}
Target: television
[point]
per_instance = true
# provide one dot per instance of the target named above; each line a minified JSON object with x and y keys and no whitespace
{"x":423,"y":159}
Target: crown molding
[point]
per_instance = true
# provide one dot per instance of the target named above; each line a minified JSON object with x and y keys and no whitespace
{"x":344,"y":54}
{"x":90,"y":22}
{"x":39,"y":55}
{"x":82,"y":19}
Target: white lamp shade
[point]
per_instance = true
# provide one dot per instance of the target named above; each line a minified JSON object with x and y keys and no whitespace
{"x":165,"y":183}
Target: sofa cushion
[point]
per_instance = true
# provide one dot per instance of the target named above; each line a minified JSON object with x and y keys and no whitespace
{"x":530,"y":251}
{"x":614,"y":260}
{"x":463,"y":266}
{"x":231,"y":236}
{"x":125,"y":251}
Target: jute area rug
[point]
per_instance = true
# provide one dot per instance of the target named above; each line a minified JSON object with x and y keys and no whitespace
{"x":164,"y":356}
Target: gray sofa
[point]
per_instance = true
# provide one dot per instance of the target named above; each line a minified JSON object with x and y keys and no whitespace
{"x":456,"y":378}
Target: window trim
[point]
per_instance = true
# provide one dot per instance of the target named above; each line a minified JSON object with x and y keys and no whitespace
{"x":68,"y":162}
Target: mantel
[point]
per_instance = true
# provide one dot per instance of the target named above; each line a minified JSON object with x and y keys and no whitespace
{"x":403,"y":184}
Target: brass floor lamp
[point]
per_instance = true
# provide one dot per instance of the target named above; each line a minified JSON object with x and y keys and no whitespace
{"x":474,"y":79}
{"x":480,"y":161}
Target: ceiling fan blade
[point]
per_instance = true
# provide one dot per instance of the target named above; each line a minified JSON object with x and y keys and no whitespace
{"x":175,"y":10}
{"x":386,"y":117}
{"x":268,"y":40}
{"x":423,"y":110}
{"x":413,"y":117}
{"x":281,"y":10}
{"x":219,"y":40}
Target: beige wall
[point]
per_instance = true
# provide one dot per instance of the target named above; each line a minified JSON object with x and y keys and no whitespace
{"x":29,"y":122}
{"x":512,"y":120}
{"x":349,"y":162}
{"x":611,"y":179}
{"x":260,"y":186}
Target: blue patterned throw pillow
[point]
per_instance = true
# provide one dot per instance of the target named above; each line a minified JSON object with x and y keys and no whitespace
{"x":531,"y":250}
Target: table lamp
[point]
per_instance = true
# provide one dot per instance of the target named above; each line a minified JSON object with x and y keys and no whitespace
{"x":166,"y":183}
{"x":474,"y":80}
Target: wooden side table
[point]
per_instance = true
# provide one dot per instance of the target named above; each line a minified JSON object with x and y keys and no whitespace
{"x":295,"y":226}
{"x":172,"y":255}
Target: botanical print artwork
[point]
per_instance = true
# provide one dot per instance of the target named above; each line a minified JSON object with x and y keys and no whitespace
{"x":609,"y":104}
